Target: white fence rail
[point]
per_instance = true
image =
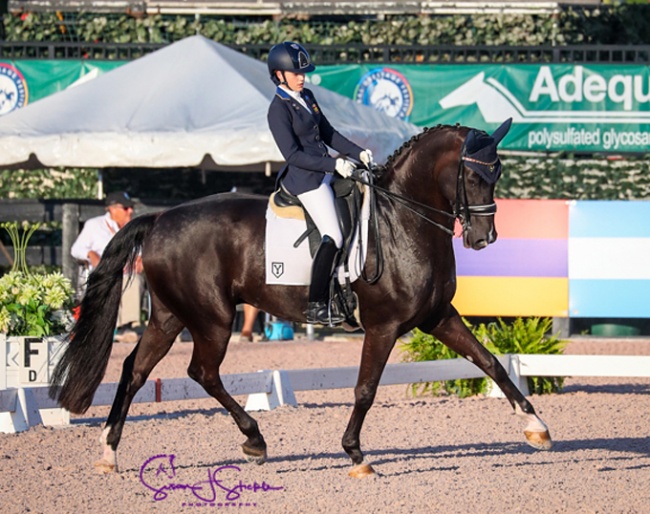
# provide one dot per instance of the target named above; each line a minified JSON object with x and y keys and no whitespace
{"x":25,"y":406}
{"x":532,"y":365}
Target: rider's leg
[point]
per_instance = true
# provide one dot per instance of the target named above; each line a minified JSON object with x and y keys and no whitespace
{"x":318,"y":310}
{"x":319,"y":203}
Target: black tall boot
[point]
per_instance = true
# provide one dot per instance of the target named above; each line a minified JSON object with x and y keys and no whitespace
{"x":318,"y":309}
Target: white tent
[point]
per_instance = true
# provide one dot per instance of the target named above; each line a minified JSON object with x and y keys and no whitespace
{"x":195,"y":103}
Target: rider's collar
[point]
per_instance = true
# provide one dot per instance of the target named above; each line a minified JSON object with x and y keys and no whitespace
{"x":282,"y":93}
{"x":287,"y":94}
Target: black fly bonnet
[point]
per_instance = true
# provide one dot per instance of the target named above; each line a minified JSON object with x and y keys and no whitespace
{"x":480,"y":152}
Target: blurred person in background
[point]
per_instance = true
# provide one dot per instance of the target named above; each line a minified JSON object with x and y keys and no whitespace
{"x":88,"y":249}
{"x":250,"y":315}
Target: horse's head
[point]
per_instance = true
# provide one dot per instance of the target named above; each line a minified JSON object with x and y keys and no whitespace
{"x":479,"y":169}
{"x":448,"y":172}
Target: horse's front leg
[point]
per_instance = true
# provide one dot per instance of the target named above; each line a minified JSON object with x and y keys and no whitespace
{"x":453,"y":333}
{"x":377,"y":346}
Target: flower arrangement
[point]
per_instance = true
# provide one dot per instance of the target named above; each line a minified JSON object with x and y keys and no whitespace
{"x":33,"y":304}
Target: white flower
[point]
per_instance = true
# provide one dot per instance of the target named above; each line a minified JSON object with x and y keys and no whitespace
{"x":5,"y":319}
{"x":28,"y":293}
{"x":21,"y":296}
{"x":54,"y":298}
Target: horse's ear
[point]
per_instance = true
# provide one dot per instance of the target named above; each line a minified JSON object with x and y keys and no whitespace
{"x":470,"y":141}
{"x":501,"y":132}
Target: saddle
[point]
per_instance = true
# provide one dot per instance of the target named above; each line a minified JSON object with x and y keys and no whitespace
{"x":348,"y":198}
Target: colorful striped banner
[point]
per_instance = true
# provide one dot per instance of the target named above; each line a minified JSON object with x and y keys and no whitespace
{"x":512,"y":296}
{"x":524,"y":273}
{"x":609,"y":259}
{"x":609,"y":298}
{"x":583,"y":259}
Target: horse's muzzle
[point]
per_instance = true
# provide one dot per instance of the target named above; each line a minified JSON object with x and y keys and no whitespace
{"x":472,"y":239}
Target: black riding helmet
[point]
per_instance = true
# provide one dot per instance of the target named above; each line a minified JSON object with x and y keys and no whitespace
{"x":289,"y":56}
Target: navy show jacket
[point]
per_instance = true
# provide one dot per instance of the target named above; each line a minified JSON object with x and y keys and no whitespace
{"x":302,"y":137}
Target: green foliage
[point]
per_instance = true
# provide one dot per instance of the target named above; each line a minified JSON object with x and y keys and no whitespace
{"x":528,"y":335}
{"x":425,"y":347}
{"x":35,"y":305}
{"x":574,"y":179}
{"x":48,"y":183}
{"x":523,"y":177}
{"x":19,"y":242}
{"x":32,"y":304}
{"x":524,"y":336}
{"x":624,"y":24}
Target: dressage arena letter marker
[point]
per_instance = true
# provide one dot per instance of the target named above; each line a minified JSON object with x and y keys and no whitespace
{"x":33,"y":369}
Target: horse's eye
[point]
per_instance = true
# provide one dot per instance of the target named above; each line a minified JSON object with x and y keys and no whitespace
{"x":473,"y":179}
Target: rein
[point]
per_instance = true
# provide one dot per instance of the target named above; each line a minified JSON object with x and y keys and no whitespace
{"x":462,"y":210}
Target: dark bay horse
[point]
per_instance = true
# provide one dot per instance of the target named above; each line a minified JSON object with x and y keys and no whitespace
{"x":204,"y":257}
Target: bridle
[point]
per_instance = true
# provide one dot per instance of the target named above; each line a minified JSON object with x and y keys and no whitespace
{"x":461,"y":210}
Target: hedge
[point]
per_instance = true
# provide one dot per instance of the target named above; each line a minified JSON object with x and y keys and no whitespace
{"x":523,"y":177}
{"x":615,"y":24}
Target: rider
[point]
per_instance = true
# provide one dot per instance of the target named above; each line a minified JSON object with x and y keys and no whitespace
{"x":301,"y":131}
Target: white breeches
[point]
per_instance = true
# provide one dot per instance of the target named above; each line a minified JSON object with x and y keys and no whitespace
{"x":319,"y":203}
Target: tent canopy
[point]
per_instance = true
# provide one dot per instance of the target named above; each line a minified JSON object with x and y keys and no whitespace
{"x":195,"y":103}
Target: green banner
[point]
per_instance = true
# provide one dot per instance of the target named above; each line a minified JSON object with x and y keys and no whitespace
{"x":596,"y":108}
{"x":25,"y":81}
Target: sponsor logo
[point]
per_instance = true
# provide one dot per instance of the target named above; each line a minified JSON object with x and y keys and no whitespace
{"x":13,"y":89}
{"x":277,"y":268}
{"x":591,"y":91}
{"x":387,"y":91}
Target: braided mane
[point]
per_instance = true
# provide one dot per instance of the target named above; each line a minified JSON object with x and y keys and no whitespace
{"x":408,"y":145}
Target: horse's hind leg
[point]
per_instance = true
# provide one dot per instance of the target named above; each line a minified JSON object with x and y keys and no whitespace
{"x":154,"y":344}
{"x":206,"y":359}
{"x":454,"y":334}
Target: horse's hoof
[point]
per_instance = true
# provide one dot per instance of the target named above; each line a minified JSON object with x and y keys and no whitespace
{"x":105,"y":467}
{"x":254,"y":455}
{"x":361,"y":470}
{"x":539,"y":440}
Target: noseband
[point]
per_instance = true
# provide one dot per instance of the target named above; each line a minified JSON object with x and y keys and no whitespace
{"x":462,"y":210}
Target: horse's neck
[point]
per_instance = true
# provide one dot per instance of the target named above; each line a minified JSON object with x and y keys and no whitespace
{"x":413,"y":195}
{"x":418,"y":173}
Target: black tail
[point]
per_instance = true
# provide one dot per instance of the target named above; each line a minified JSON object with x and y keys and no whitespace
{"x":83,"y":363}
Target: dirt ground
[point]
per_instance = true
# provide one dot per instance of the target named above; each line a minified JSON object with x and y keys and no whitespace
{"x":440,"y":454}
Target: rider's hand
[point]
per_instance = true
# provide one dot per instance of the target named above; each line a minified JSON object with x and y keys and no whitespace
{"x":366,"y":158}
{"x":344,"y":168}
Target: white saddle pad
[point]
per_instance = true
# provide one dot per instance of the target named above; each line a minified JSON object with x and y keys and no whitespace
{"x":289,"y":266}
